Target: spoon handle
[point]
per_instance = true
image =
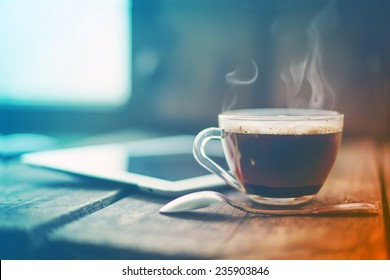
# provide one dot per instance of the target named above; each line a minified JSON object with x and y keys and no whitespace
{"x":352,"y":208}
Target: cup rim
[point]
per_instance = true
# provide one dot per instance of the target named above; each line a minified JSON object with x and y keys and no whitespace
{"x":278,"y":114}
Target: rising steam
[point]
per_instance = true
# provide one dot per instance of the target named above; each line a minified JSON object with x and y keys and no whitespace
{"x":244,"y":75}
{"x":309,"y":69}
{"x":303,"y":74}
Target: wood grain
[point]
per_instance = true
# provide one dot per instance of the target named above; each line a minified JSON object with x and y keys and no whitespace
{"x":33,"y":201}
{"x":133,"y":228}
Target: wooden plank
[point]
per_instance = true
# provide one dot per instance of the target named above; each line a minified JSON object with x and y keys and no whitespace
{"x":132,"y":228}
{"x":34,"y":201}
{"x":355,"y":177}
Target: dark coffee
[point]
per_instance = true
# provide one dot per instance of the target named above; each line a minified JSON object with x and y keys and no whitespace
{"x":281,"y":165}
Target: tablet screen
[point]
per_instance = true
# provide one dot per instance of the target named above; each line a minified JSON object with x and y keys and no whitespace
{"x":173,"y":167}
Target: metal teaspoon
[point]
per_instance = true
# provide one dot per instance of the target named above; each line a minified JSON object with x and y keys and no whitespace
{"x":204,"y":199}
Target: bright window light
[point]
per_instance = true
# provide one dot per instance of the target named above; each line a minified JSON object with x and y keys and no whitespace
{"x":65,"y":52}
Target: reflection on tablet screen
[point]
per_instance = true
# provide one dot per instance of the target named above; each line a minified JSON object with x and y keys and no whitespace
{"x":170,"y":167}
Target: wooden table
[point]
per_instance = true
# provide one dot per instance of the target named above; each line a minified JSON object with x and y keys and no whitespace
{"x":48,"y":215}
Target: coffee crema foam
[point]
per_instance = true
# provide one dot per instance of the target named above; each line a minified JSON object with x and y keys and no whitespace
{"x":283,"y":127}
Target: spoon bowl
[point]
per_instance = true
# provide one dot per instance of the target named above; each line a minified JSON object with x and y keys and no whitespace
{"x":205,"y":199}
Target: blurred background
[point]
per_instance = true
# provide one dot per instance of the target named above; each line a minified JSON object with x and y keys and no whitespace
{"x":87,"y":67}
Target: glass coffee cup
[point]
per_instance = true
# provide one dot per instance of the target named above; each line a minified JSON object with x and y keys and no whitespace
{"x":275,"y":156}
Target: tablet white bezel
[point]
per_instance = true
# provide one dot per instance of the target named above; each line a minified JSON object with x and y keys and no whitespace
{"x":91,"y":162}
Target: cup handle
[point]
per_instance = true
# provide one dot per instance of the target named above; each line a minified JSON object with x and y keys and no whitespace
{"x":200,"y":155}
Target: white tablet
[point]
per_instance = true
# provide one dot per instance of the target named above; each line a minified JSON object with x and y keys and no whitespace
{"x":161,"y":165}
